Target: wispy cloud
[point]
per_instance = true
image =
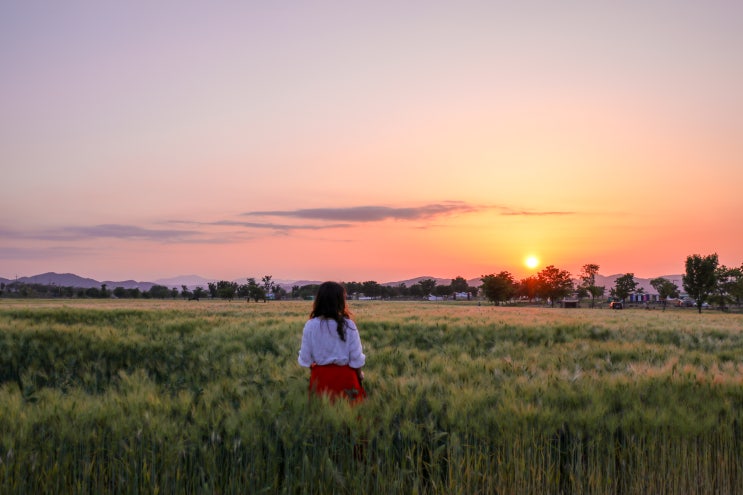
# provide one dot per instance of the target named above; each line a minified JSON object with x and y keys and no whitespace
{"x":44,"y":253}
{"x":304,"y":219}
{"x":277,"y":226}
{"x":361,"y":214}
{"x":108,"y":231}
{"x":529,"y":213}
{"x":371,"y":213}
{"x":118,"y":231}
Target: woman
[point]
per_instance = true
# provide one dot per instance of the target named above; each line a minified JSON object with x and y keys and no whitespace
{"x":331,"y":346}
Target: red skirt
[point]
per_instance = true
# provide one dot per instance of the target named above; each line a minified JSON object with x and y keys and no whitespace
{"x":336,"y":381}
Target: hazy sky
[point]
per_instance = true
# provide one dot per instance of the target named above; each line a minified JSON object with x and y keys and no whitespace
{"x":368,"y":140}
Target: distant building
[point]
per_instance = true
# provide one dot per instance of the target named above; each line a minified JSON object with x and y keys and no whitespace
{"x":570,"y":302}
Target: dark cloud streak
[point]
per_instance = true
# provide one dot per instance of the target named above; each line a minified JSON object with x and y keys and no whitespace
{"x":276,"y":226}
{"x":363,"y":214}
{"x":44,"y":253}
{"x":371,"y":213}
{"x":118,"y":231}
{"x":110,"y":231}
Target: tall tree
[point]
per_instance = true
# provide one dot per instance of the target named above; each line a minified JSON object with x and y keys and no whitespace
{"x":427,"y":286}
{"x":371,"y":288}
{"x":588,"y":282}
{"x":442,"y":291}
{"x":699,"y":280}
{"x":353,"y":288}
{"x":198,"y":293}
{"x":665,"y":289}
{"x":528,"y":287}
{"x":459,"y":284}
{"x":554,"y":283}
{"x":255,"y":291}
{"x":159,"y":292}
{"x":226,"y":289}
{"x":279,"y":292}
{"x":268,"y":284}
{"x":498,"y":288}
{"x":624,"y":286}
{"x":185,"y":292}
{"x":736,"y":286}
{"x":402,"y":290}
{"x":727,"y":282}
{"x":416,"y":291}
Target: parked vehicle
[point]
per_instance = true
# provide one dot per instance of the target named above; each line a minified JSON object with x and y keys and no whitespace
{"x":690,"y":303}
{"x":616,"y":305}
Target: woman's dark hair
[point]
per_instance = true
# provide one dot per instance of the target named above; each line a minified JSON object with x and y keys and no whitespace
{"x":330,"y":302}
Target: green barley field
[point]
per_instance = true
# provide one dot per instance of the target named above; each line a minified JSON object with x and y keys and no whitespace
{"x":207,"y":397}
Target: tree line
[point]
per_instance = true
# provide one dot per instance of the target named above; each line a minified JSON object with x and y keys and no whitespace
{"x":705,"y":282}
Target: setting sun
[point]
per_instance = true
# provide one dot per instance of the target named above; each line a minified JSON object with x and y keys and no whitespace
{"x":531,"y":262}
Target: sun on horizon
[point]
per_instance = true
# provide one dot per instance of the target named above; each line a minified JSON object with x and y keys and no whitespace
{"x":531,"y":262}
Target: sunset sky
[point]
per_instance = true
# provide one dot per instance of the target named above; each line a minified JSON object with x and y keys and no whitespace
{"x":368,"y":140}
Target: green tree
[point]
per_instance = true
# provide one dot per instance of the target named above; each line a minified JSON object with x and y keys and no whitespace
{"x":442,"y":291}
{"x":308,"y":291}
{"x":736,"y":286}
{"x":243,"y":291}
{"x":665,"y":289}
{"x":554,"y":283}
{"x":279,"y":292}
{"x":198,"y":293}
{"x":402,"y":290}
{"x":226,"y":290}
{"x":528,"y":287}
{"x":353,"y":288}
{"x":89,"y":292}
{"x":699,"y":280}
{"x":186,"y":293}
{"x":415,"y":291}
{"x":268,"y":284}
{"x":588,"y":282}
{"x":498,"y":288}
{"x":624,"y":286}
{"x":727,"y":280}
{"x":212,"y":289}
{"x":427,"y":286}
{"x":459,"y":284}
{"x":159,"y":292}
{"x":255,"y":291}
{"x":371,"y":288}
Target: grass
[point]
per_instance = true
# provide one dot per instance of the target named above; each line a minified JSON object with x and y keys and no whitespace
{"x":207,"y":397}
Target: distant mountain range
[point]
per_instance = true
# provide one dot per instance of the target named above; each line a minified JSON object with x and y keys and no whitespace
{"x":72,"y":280}
{"x":193,"y":281}
{"x":190,"y":281}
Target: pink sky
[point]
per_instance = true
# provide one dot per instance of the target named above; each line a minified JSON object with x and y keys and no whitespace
{"x":336,"y":140}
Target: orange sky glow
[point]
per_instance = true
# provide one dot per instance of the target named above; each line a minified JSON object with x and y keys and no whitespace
{"x":368,"y":142}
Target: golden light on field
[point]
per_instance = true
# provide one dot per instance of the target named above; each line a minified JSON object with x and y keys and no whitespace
{"x":531,"y":262}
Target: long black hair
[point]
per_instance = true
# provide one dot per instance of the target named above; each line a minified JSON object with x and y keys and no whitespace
{"x":330,"y":302}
